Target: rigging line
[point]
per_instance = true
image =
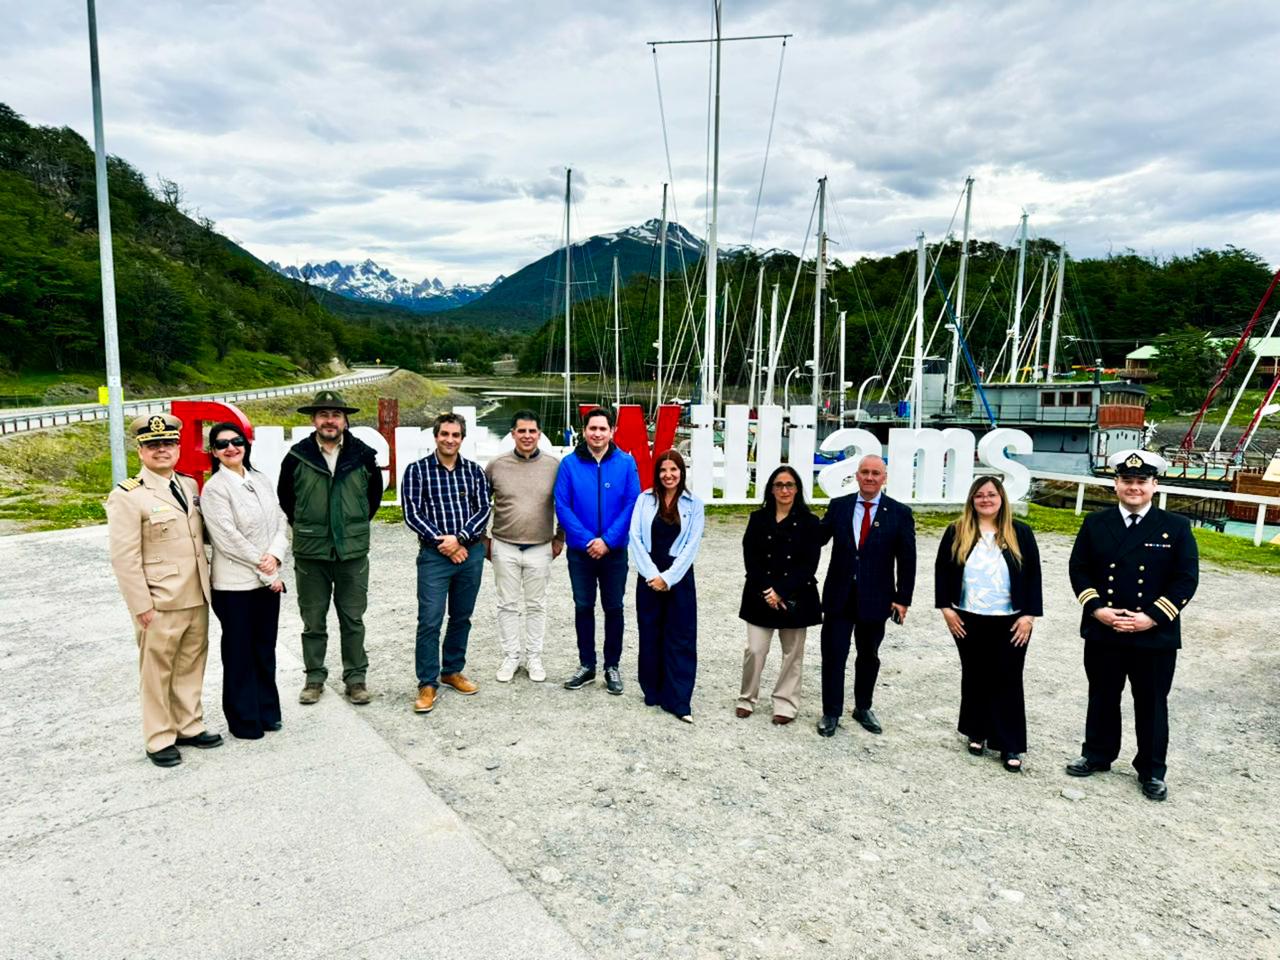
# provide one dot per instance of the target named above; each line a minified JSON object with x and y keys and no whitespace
{"x":782,"y":334}
{"x":671,"y":179}
{"x":768,"y":143}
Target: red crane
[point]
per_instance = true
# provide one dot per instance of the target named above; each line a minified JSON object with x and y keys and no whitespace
{"x":1188,"y":442}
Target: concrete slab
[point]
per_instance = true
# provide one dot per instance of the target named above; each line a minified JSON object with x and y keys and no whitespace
{"x":319,"y":840}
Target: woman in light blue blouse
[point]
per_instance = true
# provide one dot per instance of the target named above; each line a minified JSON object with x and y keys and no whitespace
{"x":987,"y":585}
{"x":666,"y":531}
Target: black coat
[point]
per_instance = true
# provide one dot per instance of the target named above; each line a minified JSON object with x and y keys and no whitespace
{"x":783,"y":556}
{"x":1025,"y":593}
{"x":1153,"y":568}
{"x":883,"y":572}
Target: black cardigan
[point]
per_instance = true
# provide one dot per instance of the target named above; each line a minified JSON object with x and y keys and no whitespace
{"x":1024,"y":579}
{"x":783,"y":556}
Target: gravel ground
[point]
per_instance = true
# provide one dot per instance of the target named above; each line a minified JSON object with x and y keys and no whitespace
{"x":735,"y":838}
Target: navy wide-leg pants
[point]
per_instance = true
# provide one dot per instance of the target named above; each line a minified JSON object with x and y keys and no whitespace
{"x":667,"y":662}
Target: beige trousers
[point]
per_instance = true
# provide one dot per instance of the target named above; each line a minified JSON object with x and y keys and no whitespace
{"x":521,"y":578}
{"x":786,"y":692}
{"x":171,"y":657}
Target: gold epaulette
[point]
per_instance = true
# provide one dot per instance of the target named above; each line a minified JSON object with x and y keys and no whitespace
{"x":1167,"y":607}
{"x":132,"y":483}
{"x":1086,"y":595}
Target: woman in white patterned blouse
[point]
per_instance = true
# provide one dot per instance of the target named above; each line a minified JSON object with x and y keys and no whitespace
{"x":987,"y":585}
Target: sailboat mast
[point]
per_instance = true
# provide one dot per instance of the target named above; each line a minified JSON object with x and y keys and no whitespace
{"x":843,"y":385}
{"x":753,"y":399}
{"x":1017,"y":303}
{"x":773,"y":347}
{"x":953,"y":368}
{"x":917,"y":365}
{"x":568,"y":411}
{"x":1057,"y":311}
{"x":1044,"y":284}
{"x":818,"y":292}
{"x":617,"y":340}
{"x":709,"y":341}
{"x":662,"y":286}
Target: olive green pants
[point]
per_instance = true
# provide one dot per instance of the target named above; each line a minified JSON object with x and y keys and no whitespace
{"x":347,"y":583}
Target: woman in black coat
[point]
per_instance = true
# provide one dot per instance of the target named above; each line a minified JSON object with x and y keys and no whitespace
{"x":780,"y":549}
{"x":987,"y":585}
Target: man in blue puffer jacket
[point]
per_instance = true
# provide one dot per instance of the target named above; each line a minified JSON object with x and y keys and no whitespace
{"x":596,"y":489}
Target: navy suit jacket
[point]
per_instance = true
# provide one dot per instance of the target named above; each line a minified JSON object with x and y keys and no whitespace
{"x":865,"y":582}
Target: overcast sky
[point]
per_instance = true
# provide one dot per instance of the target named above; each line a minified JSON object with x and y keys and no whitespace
{"x":433,"y":137}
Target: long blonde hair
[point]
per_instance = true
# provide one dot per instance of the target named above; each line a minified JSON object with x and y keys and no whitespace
{"x":967,"y":531}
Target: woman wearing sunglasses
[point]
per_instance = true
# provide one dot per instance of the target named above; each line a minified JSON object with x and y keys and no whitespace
{"x":780,"y":548}
{"x":248,"y":531}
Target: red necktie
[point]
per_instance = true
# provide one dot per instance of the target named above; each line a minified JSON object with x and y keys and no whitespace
{"x":867,"y":506}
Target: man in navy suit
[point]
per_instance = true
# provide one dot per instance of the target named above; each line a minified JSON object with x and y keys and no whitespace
{"x":871,"y":577}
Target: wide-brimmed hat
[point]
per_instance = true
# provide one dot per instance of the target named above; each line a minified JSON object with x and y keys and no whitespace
{"x":328,"y":400}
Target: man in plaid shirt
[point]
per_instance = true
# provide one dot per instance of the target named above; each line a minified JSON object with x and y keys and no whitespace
{"x":446,"y":503}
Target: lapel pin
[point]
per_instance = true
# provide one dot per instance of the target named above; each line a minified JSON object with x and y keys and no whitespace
{"x":1165,"y":535}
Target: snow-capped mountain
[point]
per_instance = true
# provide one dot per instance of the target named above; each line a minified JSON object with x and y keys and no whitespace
{"x":369,"y":281}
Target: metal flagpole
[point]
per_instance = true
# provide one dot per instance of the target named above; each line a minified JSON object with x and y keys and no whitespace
{"x":917,"y":366}
{"x":110,"y":336}
{"x":1016,"y":345}
{"x":953,"y":369}
{"x":1057,"y":311}
{"x":819,"y":287}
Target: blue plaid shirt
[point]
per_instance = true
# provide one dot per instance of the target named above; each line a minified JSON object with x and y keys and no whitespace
{"x":439,"y":502}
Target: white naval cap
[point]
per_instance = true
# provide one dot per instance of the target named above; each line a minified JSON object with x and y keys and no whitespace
{"x":1137,"y":463}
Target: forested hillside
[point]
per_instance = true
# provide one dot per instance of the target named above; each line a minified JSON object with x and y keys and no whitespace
{"x":1109,"y":306}
{"x":186,"y":295}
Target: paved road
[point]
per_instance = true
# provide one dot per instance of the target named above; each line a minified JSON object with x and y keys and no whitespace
{"x":318,"y":841}
{"x":38,"y":418}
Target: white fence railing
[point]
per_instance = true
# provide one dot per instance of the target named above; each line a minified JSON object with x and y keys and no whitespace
{"x":61,"y":416}
{"x":1163,"y":492}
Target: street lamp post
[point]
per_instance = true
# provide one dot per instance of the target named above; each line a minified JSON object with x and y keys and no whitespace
{"x":110,"y":337}
{"x":786,"y":388}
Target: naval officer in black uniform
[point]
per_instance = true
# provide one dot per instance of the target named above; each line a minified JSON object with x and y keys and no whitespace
{"x":1133,"y":568}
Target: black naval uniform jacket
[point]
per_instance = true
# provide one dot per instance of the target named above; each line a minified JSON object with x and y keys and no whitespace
{"x":1153,"y":568}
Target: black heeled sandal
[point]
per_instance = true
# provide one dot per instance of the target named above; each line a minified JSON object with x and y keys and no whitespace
{"x":976,"y":748}
{"x":1012,"y":762}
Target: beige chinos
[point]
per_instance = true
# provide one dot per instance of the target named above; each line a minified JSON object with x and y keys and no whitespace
{"x":786,"y":691}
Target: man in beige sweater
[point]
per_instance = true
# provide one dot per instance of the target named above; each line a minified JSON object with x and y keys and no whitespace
{"x":522,"y":543}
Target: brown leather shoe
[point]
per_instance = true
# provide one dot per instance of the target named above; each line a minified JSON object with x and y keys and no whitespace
{"x":780,"y":721}
{"x":358,"y":694}
{"x":311,"y":693}
{"x":426,"y":701}
{"x":459,"y":683}
{"x":742,"y":713}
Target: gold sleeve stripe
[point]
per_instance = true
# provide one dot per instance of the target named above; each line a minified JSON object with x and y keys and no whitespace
{"x":1168,"y":606}
{"x":1086,"y":595}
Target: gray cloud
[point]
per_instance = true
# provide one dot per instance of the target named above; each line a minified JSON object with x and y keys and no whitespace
{"x":436,"y":134}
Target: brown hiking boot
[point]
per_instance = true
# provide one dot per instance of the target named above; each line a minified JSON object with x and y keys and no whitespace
{"x":358,"y":694}
{"x":426,"y":701}
{"x":459,"y":683}
{"x":311,"y":693}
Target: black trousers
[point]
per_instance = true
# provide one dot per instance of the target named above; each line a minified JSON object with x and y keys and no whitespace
{"x":992,"y":707}
{"x":837,"y":631}
{"x":249,"y":620}
{"x":667,"y":660}
{"x":1150,"y":676}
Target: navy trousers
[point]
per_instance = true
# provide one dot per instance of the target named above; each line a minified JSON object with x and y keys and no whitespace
{"x":609,"y":574}
{"x":1150,"y":676}
{"x":249,"y":620}
{"x":668,"y":659}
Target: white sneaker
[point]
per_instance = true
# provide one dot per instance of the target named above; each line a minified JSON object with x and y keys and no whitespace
{"x":508,"y":669}
{"x":536,"y":673}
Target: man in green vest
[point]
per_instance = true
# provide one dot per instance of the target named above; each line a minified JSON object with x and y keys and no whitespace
{"x":330,"y":488}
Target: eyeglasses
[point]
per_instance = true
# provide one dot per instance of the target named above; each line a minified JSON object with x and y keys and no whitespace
{"x":788,"y":485}
{"x":230,"y":442}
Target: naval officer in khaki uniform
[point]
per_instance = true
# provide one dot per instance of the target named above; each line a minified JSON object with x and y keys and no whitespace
{"x":157,"y":553}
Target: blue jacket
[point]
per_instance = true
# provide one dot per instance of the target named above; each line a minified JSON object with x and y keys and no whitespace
{"x":595,"y":499}
{"x":682,"y":551}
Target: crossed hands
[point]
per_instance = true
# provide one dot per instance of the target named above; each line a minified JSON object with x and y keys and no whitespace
{"x":1124,"y":621}
{"x":449,"y":546}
